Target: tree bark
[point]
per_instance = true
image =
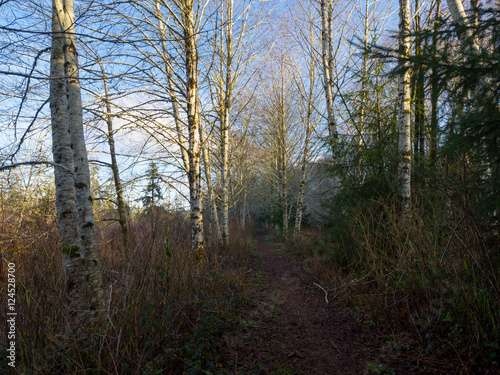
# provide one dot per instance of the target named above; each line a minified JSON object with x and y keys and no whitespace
{"x":74,"y":202}
{"x":434,"y":90}
{"x":404,"y":104}
{"x":171,"y":89}
{"x":211,"y":196}
{"x":226,"y":111}
{"x":327,"y":59}
{"x":63,"y":155}
{"x":283,"y":154}
{"x":458,"y":14}
{"x":193,"y":119}
{"x":419,"y":93}
{"x":122,"y":215}
{"x":305,"y":155}
{"x":302,"y":184}
{"x":364,"y":77}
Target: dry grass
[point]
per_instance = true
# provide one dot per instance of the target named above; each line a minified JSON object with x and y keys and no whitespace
{"x":165,"y":315}
{"x":437,"y":279}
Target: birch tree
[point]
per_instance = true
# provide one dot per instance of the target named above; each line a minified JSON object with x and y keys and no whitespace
{"x":308,"y":122}
{"x":232,"y":48}
{"x":279,"y":118}
{"x":327,"y":54}
{"x":114,"y":163}
{"x":226,"y":104}
{"x":470,"y":41}
{"x":308,"y":104}
{"x":207,"y":161}
{"x":433,"y":144}
{"x":404,"y":107}
{"x":485,"y":92}
{"x":107,"y":117}
{"x":172,"y":87}
{"x":419,"y":92}
{"x":364,"y":74}
{"x":73,"y":199}
{"x":193,"y":124}
{"x":459,"y":17}
{"x":175,"y":58}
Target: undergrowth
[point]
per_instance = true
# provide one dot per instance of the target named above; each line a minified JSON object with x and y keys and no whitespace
{"x":434,"y":274}
{"x":164,"y":314}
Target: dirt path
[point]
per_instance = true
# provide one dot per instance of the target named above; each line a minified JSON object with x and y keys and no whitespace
{"x":290,"y":329}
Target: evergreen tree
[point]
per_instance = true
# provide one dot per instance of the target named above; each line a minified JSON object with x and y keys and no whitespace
{"x":152,"y":191}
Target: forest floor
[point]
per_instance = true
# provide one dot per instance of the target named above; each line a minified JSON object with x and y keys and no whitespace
{"x":289,"y":328}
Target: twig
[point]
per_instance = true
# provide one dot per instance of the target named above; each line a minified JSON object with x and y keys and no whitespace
{"x":336,"y":347}
{"x":15,"y":165}
{"x":324,"y":290}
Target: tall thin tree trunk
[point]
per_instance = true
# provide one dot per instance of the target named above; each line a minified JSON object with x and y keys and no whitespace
{"x":284,"y":196}
{"x":81,"y":255}
{"x":364,"y":94}
{"x":434,"y":89}
{"x":73,"y":253}
{"x":362,"y":111}
{"x":470,"y":40}
{"x":302,"y":184}
{"x":210,"y":188}
{"x":364,"y":77}
{"x":419,"y":90}
{"x":379,"y":124}
{"x":243,"y":210}
{"x":327,"y":59}
{"x":305,"y":155}
{"x":458,"y":14}
{"x":283,"y":155}
{"x":226,"y":111}
{"x":122,"y":215}
{"x":82,"y":172}
{"x":171,"y":89}
{"x":404,"y":104}
{"x":193,"y":119}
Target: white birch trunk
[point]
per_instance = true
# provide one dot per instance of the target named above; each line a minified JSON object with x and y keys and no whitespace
{"x":484,"y":87}
{"x":211,"y":196}
{"x":193,"y":114}
{"x":171,"y":88}
{"x":364,"y":96}
{"x":327,"y":58}
{"x":458,"y":14}
{"x":305,"y":155}
{"x":81,"y":258}
{"x":64,"y":179}
{"x":82,"y":172}
{"x":302,"y":185}
{"x":404,"y":115}
{"x":226,"y":111}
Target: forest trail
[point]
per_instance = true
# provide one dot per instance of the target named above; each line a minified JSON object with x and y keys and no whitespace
{"x":289,"y":328}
